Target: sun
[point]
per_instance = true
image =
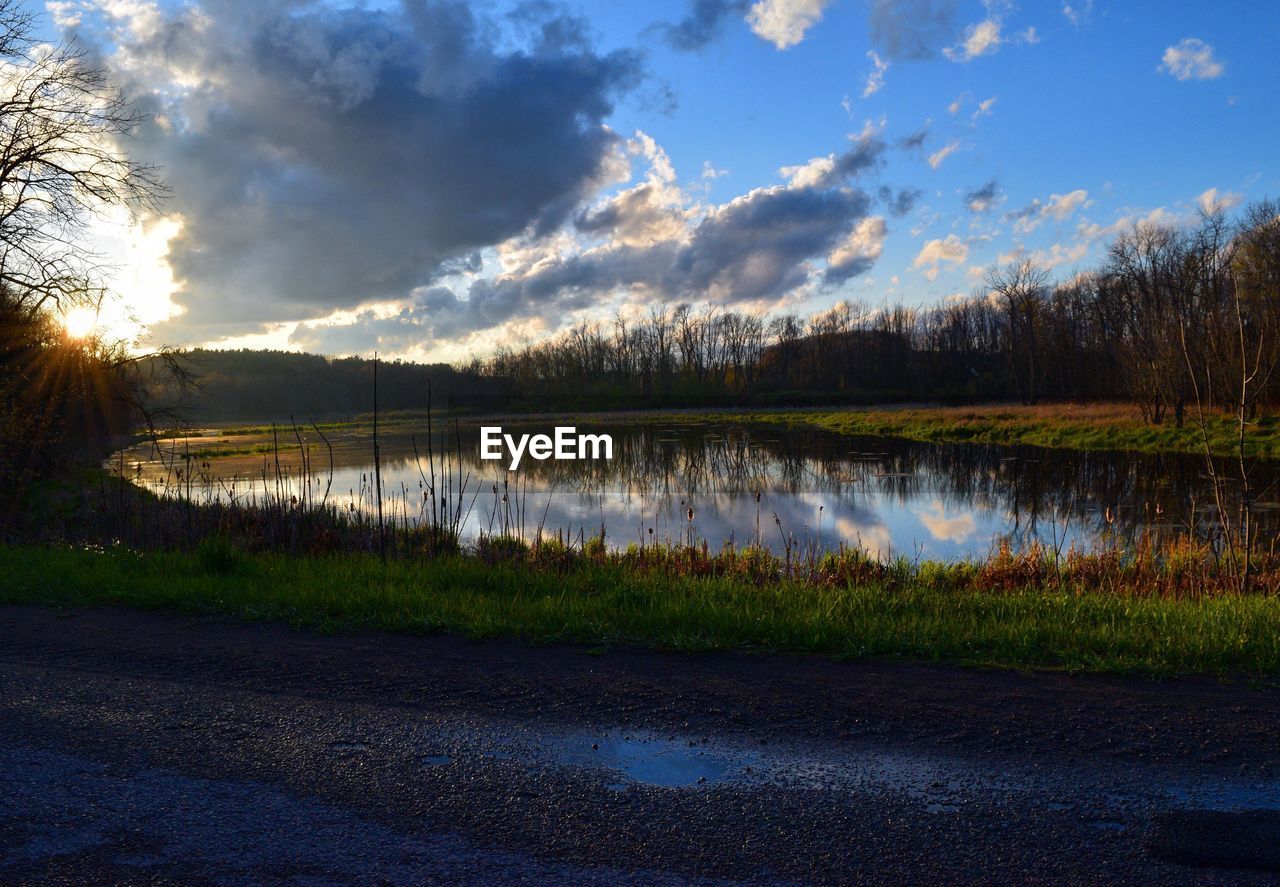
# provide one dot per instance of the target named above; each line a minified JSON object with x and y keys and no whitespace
{"x":80,"y":322}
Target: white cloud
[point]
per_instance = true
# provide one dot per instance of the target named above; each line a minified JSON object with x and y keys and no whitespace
{"x":66,"y":14}
{"x":984,"y":108}
{"x":1059,"y":207}
{"x":806,"y":175}
{"x":958,"y":528}
{"x":954,"y":107}
{"x":1028,"y":36}
{"x":952,"y":250}
{"x":865,"y":243}
{"x":1057,"y":254}
{"x":1078,"y":13}
{"x":874,"y":539}
{"x":1092,"y":231}
{"x":1192,"y":59}
{"x":650,"y":212}
{"x":936,"y":158}
{"x":980,"y":39}
{"x":784,"y":22}
{"x":875,"y":80}
{"x":1212,"y":201}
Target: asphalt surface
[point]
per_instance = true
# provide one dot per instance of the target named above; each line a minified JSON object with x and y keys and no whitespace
{"x":146,"y":748}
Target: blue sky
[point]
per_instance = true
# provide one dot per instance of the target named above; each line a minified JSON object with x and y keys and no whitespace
{"x":533,"y":165}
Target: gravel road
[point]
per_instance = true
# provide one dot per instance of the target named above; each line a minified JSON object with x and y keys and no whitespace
{"x":148,"y":748}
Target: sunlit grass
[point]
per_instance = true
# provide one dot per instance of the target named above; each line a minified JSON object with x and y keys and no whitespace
{"x":1110,"y":426}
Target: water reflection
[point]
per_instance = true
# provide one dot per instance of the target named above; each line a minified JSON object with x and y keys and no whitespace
{"x":741,"y":484}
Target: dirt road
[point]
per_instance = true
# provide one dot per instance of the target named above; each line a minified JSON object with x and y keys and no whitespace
{"x":151,"y":748}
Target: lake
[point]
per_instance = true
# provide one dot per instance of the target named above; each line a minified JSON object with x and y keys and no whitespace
{"x":890,"y":496}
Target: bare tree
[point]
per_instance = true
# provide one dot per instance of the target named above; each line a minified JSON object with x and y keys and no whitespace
{"x":61,"y":122}
{"x":1021,"y":288}
{"x":1233,"y":280}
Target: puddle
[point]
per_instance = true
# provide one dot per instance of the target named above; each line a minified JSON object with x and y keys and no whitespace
{"x":625,"y":760}
{"x":666,"y":763}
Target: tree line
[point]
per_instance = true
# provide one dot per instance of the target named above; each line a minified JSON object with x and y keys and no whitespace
{"x":1164,"y":320}
{"x":1168,"y":312}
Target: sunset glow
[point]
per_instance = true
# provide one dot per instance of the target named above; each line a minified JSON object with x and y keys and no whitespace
{"x":80,"y":322}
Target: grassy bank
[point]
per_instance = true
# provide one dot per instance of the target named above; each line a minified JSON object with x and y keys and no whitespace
{"x":1064,"y":426}
{"x":1110,"y":426}
{"x":608,"y":602}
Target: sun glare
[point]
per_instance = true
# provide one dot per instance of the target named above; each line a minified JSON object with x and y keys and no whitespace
{"x":80,"y":322}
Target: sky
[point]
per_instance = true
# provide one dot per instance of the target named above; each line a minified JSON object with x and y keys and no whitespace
{"x":433,"y":180}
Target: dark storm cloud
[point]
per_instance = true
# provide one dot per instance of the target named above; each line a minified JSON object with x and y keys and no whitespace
{"x":322,"y":158}
{"x":1032,"y":209}
{"x":866,"y":154}
{"x":758,"y":246}
{"x":901,"y":203}
{"x":325,"y":159}
{"x":914,"y":141}
{"x":983,"y":198}
{"x":704,"y":23}
{"x":912,"y":29}
{"x":755,"y":247}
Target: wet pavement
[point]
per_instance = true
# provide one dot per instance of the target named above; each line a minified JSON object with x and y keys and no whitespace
{"x":142,"y":748}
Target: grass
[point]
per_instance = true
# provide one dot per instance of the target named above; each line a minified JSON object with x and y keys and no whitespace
{"x":1105,"y":426}
{"x":608,"y":600}
{"x":1061,"y":426}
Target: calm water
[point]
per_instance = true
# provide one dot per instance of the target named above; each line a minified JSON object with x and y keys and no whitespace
{"x":890,"y":496}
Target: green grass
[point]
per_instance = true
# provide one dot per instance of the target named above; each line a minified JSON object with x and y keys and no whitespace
{"x":607,"y":604}
{"x":1107,"y":426}
{"x":1058,"y":426}
{"x":1096,"y":427}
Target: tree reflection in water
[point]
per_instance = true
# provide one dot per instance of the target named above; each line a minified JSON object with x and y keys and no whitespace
{"x":891,"y":496}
